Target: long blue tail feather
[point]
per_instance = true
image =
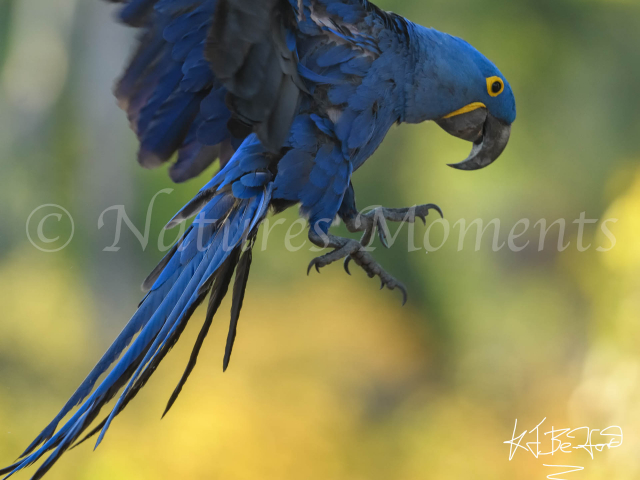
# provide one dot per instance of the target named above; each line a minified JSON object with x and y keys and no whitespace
{"x":202,"y":262}
{"x":219,"y":287}
{"x":180,"y":313}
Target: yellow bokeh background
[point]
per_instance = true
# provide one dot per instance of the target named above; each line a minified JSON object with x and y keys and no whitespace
{"x":331,"y":378}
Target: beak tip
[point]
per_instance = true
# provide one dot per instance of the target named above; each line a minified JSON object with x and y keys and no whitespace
{"x":464,"y":166}
{"x":488,"y":147}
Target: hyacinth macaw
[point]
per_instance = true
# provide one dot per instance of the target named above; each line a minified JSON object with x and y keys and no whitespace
{"x":292,"y":96}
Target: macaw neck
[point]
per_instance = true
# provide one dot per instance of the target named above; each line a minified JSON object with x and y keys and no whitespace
{"x":432,"y":84}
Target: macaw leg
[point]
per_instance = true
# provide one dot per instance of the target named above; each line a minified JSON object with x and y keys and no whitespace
{"x":377,"y":218}
{"x":352,"y":249}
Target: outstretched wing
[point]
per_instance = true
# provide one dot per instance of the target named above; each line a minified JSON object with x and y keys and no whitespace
{"x":173,"y":100}
{"x":207,"y":73}
{"x":252,"y":50}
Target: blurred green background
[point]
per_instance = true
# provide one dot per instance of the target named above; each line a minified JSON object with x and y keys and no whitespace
{"x":332,"y":379}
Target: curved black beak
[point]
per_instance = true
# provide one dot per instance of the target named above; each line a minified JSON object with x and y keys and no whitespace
{"x":488,"y":134}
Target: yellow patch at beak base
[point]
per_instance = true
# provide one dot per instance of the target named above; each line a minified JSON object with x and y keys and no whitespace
{"x":469,"y":108}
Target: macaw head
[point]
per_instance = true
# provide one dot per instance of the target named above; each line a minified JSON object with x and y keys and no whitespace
{"x":472,"y":99}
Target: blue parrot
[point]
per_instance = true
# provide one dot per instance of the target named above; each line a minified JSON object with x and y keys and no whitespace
{"x":292,"y":96}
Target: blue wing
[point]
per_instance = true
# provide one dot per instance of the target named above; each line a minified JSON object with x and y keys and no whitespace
{"x":173,"y":100}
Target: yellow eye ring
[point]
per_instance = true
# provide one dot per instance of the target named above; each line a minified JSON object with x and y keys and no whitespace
{"x":495,"y":86}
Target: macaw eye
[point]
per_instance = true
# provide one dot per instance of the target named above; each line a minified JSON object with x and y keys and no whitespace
{"x":495,"y":86}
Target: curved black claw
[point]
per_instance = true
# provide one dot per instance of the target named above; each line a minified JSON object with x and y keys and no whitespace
{"x":378,"y":218}
{"x":405,"y":295}
{"x":400,"y":286}
{"x":395,"y":284}
{"x":343,"y":247}
{"x":422,"y":211}
{"x":373,"y":269}
{"x":314,"y":263}
{"x":349,"y":250}
{"x":347,"y":260}
{"x":382,"y":234}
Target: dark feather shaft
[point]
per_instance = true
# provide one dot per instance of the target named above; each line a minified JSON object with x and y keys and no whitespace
{"x":239,"y":287}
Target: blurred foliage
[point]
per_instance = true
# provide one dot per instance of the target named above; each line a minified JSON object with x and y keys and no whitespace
{"x":331,"y":378}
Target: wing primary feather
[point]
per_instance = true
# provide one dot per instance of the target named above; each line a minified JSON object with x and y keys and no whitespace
{"x":248,"y":52}
{"x":278,"y":126}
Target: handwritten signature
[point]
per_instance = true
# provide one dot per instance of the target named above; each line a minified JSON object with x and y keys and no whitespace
{"x":562,"y":441}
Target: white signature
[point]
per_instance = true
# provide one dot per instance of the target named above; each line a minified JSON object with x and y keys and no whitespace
{"x":565,"y":440}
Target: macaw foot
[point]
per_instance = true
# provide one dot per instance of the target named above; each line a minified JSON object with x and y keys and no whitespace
{"x":350,"y":249}
{"x":376,"y":220}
